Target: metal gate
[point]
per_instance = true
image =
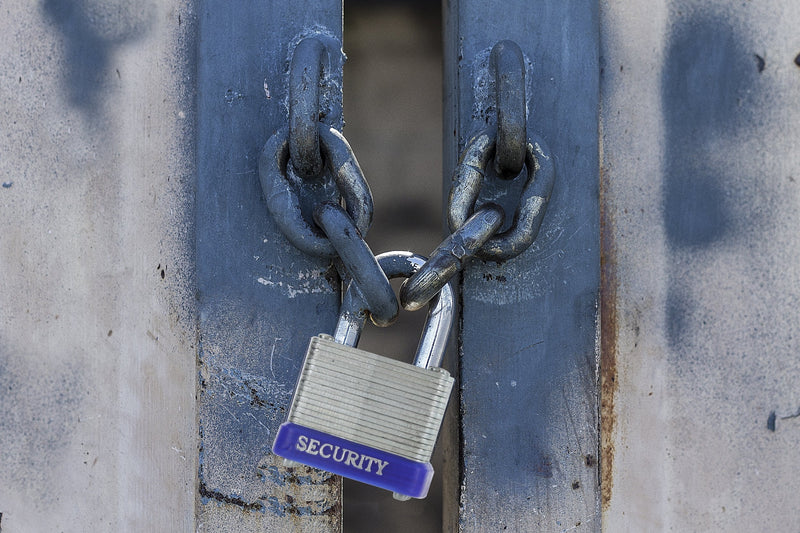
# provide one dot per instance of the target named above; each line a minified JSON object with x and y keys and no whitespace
{"x":634,"y":370}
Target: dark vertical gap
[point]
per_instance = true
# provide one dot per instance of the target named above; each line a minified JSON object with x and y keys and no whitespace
{"x":453,"y":435}
{"x":393,"y":117}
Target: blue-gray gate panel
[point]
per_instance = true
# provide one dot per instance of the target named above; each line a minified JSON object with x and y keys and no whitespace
{"x":529,"y":402}
{"x":260,"y":298}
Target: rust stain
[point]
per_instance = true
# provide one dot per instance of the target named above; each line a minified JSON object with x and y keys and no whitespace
{"x":608,"y":341}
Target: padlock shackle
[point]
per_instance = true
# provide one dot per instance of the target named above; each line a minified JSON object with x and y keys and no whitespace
{"x":433,"y":342}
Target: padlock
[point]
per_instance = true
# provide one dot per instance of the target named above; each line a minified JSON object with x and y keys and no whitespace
{"x":368,"y":417}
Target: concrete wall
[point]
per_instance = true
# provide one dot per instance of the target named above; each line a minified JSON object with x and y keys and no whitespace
{"x":97,"y":336}
{"x":700,"y":173}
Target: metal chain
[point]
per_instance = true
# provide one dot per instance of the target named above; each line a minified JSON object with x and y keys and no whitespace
{"x":305,"y":77}
{"x":434,"y":337}
{"x":508,"y":67}
{"x":447,"y":259}
{"x":359,"y":262}
{"x":283,"y":194}
{"x":316,"y":149}
{"x":474,"y":228}
{"x":467,"y":181}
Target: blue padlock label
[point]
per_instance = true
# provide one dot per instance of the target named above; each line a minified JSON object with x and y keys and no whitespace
{"x":352,"y":460}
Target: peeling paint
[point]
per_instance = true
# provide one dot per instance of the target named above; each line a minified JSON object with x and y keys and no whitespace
{"x":232,"y":96}
{"x":308,"y":283}
{"x":244,"y":388}
{"x":293,"y":491}
{"x":208,"y":495}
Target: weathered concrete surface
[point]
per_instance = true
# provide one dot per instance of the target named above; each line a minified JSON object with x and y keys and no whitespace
{"x":701,"y":266}
{"x":97,"y":348}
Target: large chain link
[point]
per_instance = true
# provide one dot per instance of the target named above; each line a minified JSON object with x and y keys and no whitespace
{"x":359,"y":262}
{"x":283,"y":194}
{"x":508,"y":67}
{"x":474,"y":228}
{"x":467,"y":181}
{"x":315,"y":149}
{"x":305,"y":76}
{"x":448,"y":258}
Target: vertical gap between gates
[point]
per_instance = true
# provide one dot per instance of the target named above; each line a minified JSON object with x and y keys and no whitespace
{"x":393,"y":117}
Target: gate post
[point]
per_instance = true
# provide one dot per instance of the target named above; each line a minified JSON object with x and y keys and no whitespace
{"x":528,"y":353}
{"x":260,"y":298}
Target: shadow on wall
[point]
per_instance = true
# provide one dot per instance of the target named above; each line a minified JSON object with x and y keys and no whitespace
{"x":705,"y":91}
{"x":36,"y":421}
{"x":93,"y":30}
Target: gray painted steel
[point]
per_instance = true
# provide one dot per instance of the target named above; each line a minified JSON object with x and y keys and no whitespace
{"x":529,"y":437}
{"x":701,"y":195}
{"x":260,"y":298}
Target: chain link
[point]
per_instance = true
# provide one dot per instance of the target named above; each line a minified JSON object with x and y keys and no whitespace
{"x":448,"y":258}
{"x":283,"y":196}
{"x":434,"y":337}
{"x":474,"y":228}
{"x":467,"y":181}
{"x":359,"y":263}
{"x":508,"y":68}
{"x":305,"y":77}
{"x":316,"y":149}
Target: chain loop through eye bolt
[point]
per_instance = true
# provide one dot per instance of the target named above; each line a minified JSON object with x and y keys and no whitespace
{"x":508,"y":68}
{"x":474,"y":231}
{"x":315,"y":150}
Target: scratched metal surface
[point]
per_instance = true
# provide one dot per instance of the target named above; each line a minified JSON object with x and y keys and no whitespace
{"x":701,"y":193}
{"x":528,"y":334}
{"x":260,"y":298}
{"x":97,"y":318}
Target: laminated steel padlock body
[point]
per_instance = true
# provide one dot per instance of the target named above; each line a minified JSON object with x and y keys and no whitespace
{"x":368,"y":417}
